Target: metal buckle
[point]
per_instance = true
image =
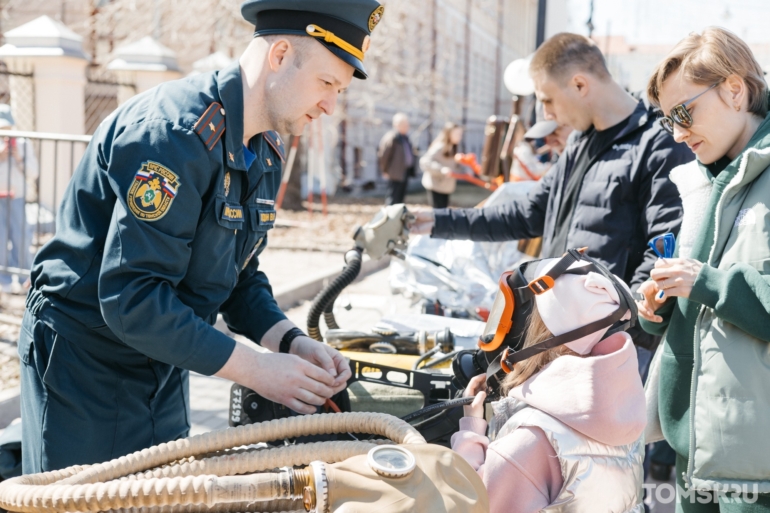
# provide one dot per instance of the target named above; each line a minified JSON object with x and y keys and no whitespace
{"x":541,"y":285}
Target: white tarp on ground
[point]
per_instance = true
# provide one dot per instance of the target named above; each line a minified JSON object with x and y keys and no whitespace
{"x":460,"y":274}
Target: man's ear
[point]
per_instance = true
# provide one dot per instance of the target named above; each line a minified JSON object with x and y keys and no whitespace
{"x":278,"y":53}
{"x":579,"y":83}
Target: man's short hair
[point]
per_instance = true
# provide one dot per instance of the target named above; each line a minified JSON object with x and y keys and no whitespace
{"x":565,"y":54}
{"x":301,"y":45}
{"x":398,"y":118}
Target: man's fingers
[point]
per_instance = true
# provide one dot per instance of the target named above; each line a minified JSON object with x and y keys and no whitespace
{"x":325,"y":361}
{"x":317,"y":373}
{"x":308,"y":397}
{"x":300,"y":407}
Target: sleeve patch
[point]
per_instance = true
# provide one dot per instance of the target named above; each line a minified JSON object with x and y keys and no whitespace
{"x":275,"y":142}
{"x":152,"y":192}
{"x":211,"y":125}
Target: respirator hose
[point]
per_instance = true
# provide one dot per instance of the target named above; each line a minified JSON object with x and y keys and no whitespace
{"x":325,"y":299}
{"x":100,"y":487}
{"x":331,"y":322}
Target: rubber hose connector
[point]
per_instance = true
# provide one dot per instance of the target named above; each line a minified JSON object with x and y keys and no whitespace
{"x":329,"y":319}
{"x":351,"y":271}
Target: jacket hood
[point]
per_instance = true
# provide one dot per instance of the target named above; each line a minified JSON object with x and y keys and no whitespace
{"x":600,"y":395}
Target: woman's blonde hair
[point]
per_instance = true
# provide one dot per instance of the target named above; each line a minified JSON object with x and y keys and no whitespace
{"x":710,"y":58}
{"x":536,"y":332}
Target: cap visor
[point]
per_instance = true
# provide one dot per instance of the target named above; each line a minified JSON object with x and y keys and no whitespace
{"x":541,"y":129}
{"x":345,"y":56}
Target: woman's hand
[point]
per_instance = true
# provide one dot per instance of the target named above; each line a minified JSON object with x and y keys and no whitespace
{"x":649,"y":305}
{"x":675,"y":277}
{"x":446,"y":171}
{"x":476,"y":388}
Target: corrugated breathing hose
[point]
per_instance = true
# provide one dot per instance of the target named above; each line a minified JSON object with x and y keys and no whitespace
{"x":187,"y":482}
{"x":325,"y":299}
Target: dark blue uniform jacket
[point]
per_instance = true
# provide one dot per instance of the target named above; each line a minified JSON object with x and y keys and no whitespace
{"x":625,"y":199}
{"x":160,"y":229}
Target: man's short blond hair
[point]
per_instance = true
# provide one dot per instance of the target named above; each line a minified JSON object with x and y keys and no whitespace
{"x":709,"y":58}
{"x":565,"y":54}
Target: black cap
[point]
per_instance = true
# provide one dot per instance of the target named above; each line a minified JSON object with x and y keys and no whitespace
{"x":342,"y":26}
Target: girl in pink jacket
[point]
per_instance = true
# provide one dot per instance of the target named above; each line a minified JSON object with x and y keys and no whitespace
{"x":567,"y":435}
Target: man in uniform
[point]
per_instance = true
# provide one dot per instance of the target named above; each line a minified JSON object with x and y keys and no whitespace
{"x":160,"y":230}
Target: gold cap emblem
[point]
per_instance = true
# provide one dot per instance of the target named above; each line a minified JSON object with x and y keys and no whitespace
{"x":376,"y":16}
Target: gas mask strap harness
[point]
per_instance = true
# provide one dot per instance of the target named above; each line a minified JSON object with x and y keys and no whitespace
{"x":506,"y":360}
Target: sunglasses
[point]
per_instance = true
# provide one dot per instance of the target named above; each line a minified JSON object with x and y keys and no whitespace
{"x":663,"y":245}
{"x":680,"y":115}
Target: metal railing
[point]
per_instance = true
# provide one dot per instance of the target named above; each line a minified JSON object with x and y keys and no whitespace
{"x":35,"y":169}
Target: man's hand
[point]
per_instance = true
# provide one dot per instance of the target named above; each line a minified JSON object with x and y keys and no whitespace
{"x":476,"y":388}
{"x":325,"y":357}
{"x":424,"y":220}
{"x":284,"y":378}
{"x":675,"y":277}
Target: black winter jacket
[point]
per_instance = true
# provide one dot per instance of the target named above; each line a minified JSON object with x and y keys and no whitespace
{"x":625,"y":200}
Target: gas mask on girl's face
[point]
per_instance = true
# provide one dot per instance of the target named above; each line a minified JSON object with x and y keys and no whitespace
{"x":500,"y":345}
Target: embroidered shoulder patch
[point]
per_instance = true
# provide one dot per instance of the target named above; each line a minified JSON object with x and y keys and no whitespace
{"x":152,"y":192}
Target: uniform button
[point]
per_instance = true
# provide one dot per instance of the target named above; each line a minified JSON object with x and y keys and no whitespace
{"x":222,"y":111}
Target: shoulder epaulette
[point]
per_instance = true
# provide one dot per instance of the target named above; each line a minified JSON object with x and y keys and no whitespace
{"x":274,"y":140}
{"x":211,"y":125}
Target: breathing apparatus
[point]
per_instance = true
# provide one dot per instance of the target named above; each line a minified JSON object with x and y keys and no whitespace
{"x":222,"y":471}
{"x":500,"y":345}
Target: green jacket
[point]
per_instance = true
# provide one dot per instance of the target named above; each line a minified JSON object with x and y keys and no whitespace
{"x":714,"y":398}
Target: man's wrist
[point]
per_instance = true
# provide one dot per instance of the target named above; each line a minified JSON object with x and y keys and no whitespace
{"x":285,"y":345}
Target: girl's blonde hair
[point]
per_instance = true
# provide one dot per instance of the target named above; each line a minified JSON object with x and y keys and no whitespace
{"x":536,"y":332}
{"x":709,"y":58}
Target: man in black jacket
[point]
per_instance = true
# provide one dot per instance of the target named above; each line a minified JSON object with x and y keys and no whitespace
{"x":610,"y":189}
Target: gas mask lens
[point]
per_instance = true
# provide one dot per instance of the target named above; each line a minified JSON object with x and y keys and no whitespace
{"x":499,"y":322}
{"x":391,"y":461}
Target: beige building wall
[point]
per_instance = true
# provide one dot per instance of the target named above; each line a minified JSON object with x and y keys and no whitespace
{"x":437,"y":60}
{"x":402,"y":77}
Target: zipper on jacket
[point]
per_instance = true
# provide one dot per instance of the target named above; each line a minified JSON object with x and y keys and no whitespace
{"x":687,"y":477}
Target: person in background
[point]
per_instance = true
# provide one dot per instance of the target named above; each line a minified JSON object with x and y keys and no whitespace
{"x":18,"y":172}
{"x":397,"y":159}
{"x":438,"y":164}
{"x":608,"y":191}
{"x":556,"y":139}
{"x":541,"y":147}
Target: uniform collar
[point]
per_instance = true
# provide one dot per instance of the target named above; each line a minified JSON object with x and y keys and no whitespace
{"x":230,"y":88}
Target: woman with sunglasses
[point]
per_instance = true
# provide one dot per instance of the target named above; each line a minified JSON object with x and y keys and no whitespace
{"x":712,"y":299}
